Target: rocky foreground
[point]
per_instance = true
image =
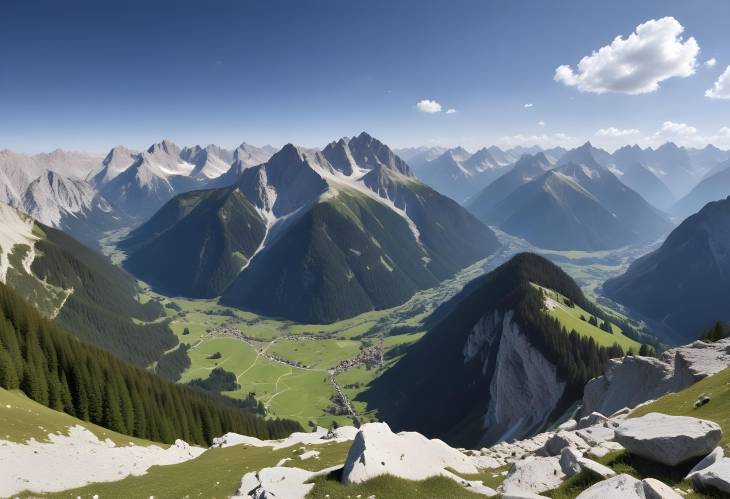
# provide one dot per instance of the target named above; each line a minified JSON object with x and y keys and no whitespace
{"x":578,"y":449}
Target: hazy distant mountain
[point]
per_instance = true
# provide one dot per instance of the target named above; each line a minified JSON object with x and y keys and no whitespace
{"x":71,"y":205}
{"x":711,"y":188}
{"x":707,"y":158}
{"x":673,"y":166}
{"x":314,"y":236}
{"x":578,"y":205}
{"x":210,"y":162}
{"x":685,"y":284}
{"x":116,"y":161}
{"x":646,"y":183}
{"x":155,"y":177}
{"x":459,"y":174}
{"x":416,"y":157}
{"x":526,"y":169}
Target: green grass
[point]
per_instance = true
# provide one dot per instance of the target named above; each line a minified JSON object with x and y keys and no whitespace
{"x":216,"y":473}
{"x":321,"y":354}
{"x":22,"y":419}
{"x":390,"y":487}
{"x":570,"y":318}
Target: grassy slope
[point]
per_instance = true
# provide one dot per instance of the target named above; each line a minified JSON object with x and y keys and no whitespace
{"x":569,"y":317}
{"x":22,"y":419}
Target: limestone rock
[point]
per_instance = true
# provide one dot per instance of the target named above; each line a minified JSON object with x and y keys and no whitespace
{"x":654,"y":489}
{"x":534,"y":474}
{"x":592,"y":419}
{"x":595,"y":468}
{"x":716,"y":476}
{"x":619,"y":487}
{"x":632,"y":380}
{"x":708,"y":460}
{"x":569,"y":461}
{"x":561,"y":440}
{"x":521,"y":494}
{"x":376,"y":450}
{"x":668,"y":440}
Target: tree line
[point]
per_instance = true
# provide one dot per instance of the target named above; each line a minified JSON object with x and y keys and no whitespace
{"x":57,"y":370}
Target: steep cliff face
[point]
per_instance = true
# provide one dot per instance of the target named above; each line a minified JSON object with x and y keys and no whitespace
{"x":525,"y":388}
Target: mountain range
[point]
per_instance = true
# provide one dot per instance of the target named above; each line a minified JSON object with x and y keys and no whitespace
{"x":578,"y":204}
{"x":310,"y":236}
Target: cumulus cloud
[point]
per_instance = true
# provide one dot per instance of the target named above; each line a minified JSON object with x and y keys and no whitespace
{"x":545,"y":141}
{"x":617,"y":132}
{"x":541,"y":123}
{"x":451,"y":110}
{"x":686,"y":135}
{"x":528,"y":105}
{"x":721,"y":88}
{"x":428,"y":106}
{"x":654,"y":52}
{"x":710,"y":63}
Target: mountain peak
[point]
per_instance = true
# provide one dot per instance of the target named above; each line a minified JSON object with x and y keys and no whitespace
{"x":167,"y":146}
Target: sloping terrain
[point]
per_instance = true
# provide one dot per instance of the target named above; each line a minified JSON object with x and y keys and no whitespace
{"x":496,"y":362}
{"x":684,"y":284}
{"x":213,"y":233}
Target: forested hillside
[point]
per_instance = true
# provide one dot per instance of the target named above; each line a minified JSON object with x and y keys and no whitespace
{"x":59,"y":371}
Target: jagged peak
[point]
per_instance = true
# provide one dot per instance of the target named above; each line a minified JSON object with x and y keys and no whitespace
{"x":167,"y":146}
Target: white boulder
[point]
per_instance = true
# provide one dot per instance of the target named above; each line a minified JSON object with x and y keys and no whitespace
{"x":668,"y":440}
{"x":534,"y":474}
{"x":708,"y":460}
{"x":376,"y":450}
{"x":279,"y":482}
{"x":716,"y":476}
{"x":619,"y":487}
{"x":521,"y":494}
{"x":654,"y":489}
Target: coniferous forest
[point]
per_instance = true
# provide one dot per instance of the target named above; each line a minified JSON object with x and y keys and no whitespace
{"x":57,"y":370}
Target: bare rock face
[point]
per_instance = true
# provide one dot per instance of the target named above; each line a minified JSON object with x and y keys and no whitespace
{"x":525,"y":387}
{"x":633,"y":380}
{"x":668,"y":440}
{"x":376,"y":451}
{"x":279,"y":482}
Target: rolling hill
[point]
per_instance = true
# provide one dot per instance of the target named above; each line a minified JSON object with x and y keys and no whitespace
{"x":685,"y":283}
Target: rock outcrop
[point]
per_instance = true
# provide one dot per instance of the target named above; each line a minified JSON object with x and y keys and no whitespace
{"x":632,"y":380}
{"x":668,"y":440}
{"x":376,"y":451}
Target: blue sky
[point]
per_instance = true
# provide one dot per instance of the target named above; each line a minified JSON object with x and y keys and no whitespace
{"x":90,"y":75}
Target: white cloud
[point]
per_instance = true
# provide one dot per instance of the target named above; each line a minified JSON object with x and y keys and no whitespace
{"x":686,"y":135}
{"x":710,"y":63}
{"x":617,"y":132}
{"x":428,"y":106}
{"x":528,"y":105}
{"x":541,"y":123}
{"x":545,"y":140}
{"x":721,"y":88}
{"x":637,"y":64}
{"x":451,"y":110}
